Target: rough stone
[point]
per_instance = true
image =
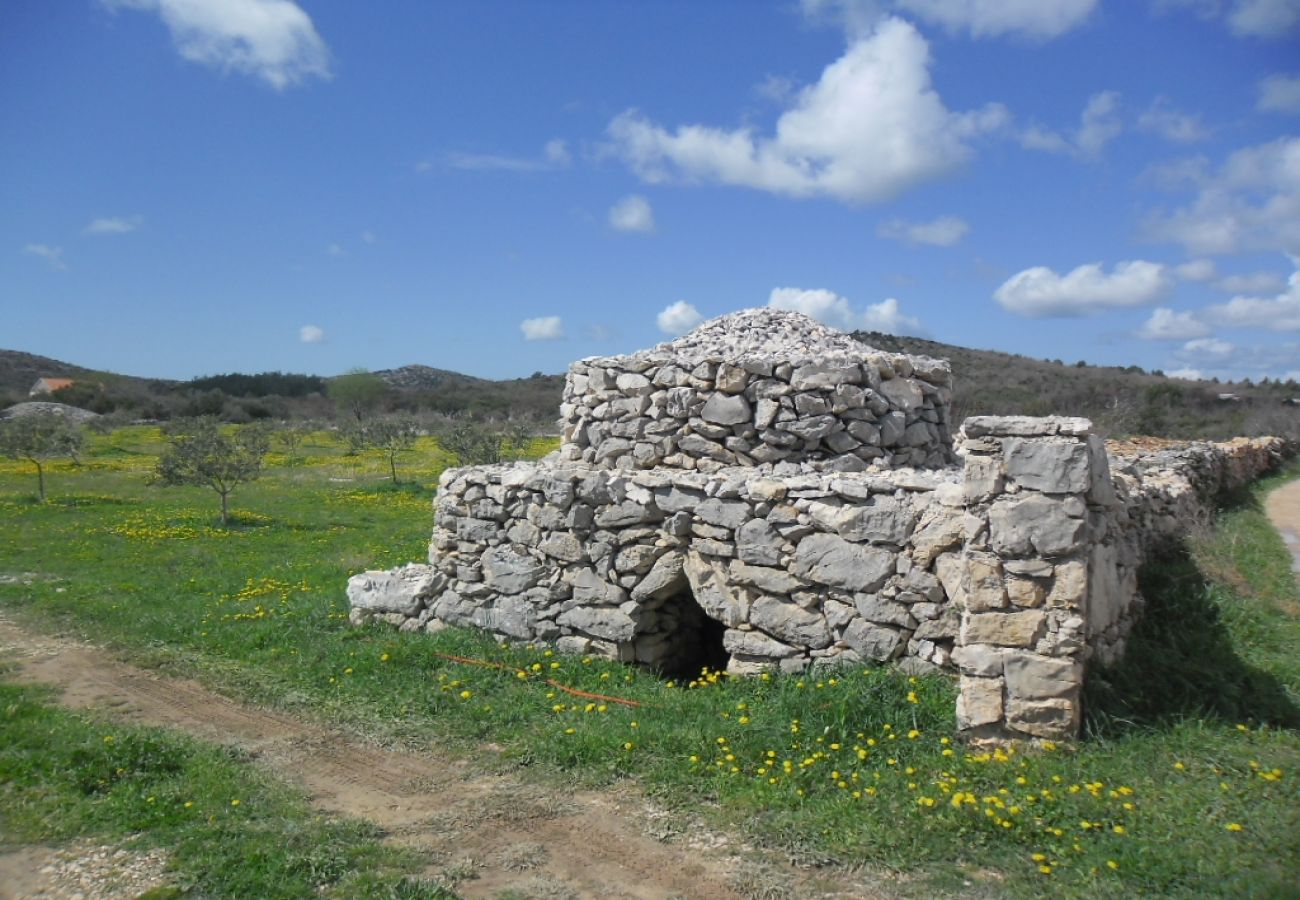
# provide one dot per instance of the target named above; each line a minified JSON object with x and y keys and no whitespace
{"x":833,"y":561}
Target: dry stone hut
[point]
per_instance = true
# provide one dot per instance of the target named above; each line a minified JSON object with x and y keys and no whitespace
{"x":768,"y":493}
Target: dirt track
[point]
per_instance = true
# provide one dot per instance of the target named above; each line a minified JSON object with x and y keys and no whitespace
{"x":518,"y":836}
{"x":1283,"y":507}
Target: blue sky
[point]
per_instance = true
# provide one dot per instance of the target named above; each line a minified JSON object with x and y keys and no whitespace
{"x":202,"y":186}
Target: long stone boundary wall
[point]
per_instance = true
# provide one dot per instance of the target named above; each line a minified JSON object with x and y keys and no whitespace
{"x":768,"y":493}
{"x":1015,"y":572}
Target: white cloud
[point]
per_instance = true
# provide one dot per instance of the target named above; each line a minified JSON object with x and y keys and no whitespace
{"x":114,"y":225}
{"x":1251,"y":203}
{"x":942,"y":232}
{"x":1196,"y":270}
{"x":831,"y":309}
{"x":1209,"y":347}
{"x":1160,"y":118}
{"x":632,"y":213}
{"x":871,"y":127}
{"x":336,"y":250}
{"x":1099,"y":124}
{"x":544,"y":328}
{"x":1042,"y":292}
{"x":311,"y":334}
{"x":1167,"y":325}
{"x":1187,"y":374}
{"x":1279,"y":94}
{"x":1246,"y":18}
{"x":1280,"y":313}
{"x":1254,"y":283}
{"x":992,"y":18}
{"x":1263,"y":18}
{"x":274,"y":40}
{"x":555,"y":155}
{"x":678,"y":318}
{"x":368,"y":237}
{"x":1034,"y":19}
{"x":52,"y":255}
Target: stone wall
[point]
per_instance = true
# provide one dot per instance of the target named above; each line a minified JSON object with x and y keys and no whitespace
{"x":758,"y":390}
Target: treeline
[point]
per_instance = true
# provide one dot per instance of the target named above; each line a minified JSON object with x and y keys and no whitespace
{"x":263,"y":384}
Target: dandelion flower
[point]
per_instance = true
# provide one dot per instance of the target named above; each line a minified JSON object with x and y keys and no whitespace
{"x":1233,"y":826}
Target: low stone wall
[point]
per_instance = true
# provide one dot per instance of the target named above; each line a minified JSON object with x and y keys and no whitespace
{"x":723,"y":397}
{"x":1015,"y":571}
{"x":730,"y":569}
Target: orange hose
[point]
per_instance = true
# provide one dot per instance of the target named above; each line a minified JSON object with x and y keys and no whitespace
{"x":587,"y":695}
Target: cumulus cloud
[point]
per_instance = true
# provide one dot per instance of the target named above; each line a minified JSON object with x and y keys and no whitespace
{"x":871,"y":127}
{"x":52,"y":255}
{"x":1252,"y":202}
{"x":1099,"y":124}
{"x":1246,"y":18}
{"x":1172,"y":125}
{"x":311,"y":334}
{"x":543,"y":328}
{"x":1167,"y":325}
{"x":114,"y":225}
{"x":632,"y":213}
{"x":942,"y":232}
{"x":678,"y":318}
{"x":1209,"y":347}
{"x":831,"y":309}
{"x":1042,"y":292}
{"x":1196,"y":270}
{"x":555,"y":155}
{"x":1279,"y":94}
{"x":1278,"y":313}
{"x":1252,"y":283}
{"x":1033,"y":19}
{"x":273,"y":40}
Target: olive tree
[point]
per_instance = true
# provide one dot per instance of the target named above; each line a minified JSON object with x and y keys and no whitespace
{"x":390,"y":436}
{"x":357,"y":392}
{"x":199,"y":452}
{"x":38,"y":437}
{"x":476,"y":444}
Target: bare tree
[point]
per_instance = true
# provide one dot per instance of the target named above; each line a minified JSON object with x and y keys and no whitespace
{"x":390,"y":436}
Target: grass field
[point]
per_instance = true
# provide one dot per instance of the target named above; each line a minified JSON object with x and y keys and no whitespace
{"x":1186,"y":785}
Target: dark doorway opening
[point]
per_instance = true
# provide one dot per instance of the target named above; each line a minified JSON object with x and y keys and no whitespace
{"x":692,"y":639}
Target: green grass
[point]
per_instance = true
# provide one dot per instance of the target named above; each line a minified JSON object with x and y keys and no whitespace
{"x":1186,"y":739}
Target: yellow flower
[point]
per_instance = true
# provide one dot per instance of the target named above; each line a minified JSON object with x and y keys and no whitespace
{"x":1110,"y":863}
{"x":1039,"y":857}
{"x":234,"y":802}
{"x":1233,"y":826}
{"x":1046,"y":870}
{"x":384,"y":657}
{"x":1118,"y":829}
{"x":465,"y":695}
{"x":1179,"y":766}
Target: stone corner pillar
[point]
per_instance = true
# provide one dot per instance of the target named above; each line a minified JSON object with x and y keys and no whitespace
{"x":1028,"y":487}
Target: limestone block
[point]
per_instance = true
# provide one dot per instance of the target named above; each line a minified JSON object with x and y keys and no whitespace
{"x":724,"y":513}
{"x":635,"y":559}
{"x":1058,"y":718}
{"x":610,"y":623}
{"x":1033,"y":677}
{"x":514,"y":617}
{"x":664,"y":579}
{"x":866,"y":432}
{"x":892,"y":427}
{"x":950,"y":569}
{"x":902,"y":393}
{"x":875,"y":608}
{"x":726,"y":409}
{"x":831,"y":560}
{"x":589,"y":589}
{"x":680,"y":402}
{"x":709,"y":586}
{"x":1006,"y":629}
{"x":764,"y":578}
{"x":508,"y":572}
{"x":525,"y":533}
{"x":982,"y":478}
{"x":404,"y":590}
{"x":1033,"y":524}
{"x":979,"y":702}
{"x":939,"y":530}
{"x":872,"y":641}
{"x":1027,"y":593}
{"x":979,"y":659}
{"x":629,"y":512}
{"x":1054,"y":467}
{"x":790,"y":622}
{"x":886,"y":521}
{"x":824,"y":375}
{"x":755,"y":644}
{"x":984,"y":586}
{"x":561,"y":545}
{"x":808,"y":428}
{"x":1069,"y":584}
{"x":758,"y":543}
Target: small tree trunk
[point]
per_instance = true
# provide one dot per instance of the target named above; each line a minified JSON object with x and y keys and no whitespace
{"x":392,"y":465}
{"x":224,"y":512}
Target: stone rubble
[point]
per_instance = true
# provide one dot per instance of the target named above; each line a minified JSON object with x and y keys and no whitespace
{"x":748,"y":497}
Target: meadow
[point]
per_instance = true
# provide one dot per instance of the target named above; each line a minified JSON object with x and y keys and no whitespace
{"x":1185,"y":784}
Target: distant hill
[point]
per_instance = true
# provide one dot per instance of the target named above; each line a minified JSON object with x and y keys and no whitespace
{"x":1119,"y":400}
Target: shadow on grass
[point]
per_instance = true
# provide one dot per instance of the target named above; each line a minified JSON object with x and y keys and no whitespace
{"x":1181,"y":660}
